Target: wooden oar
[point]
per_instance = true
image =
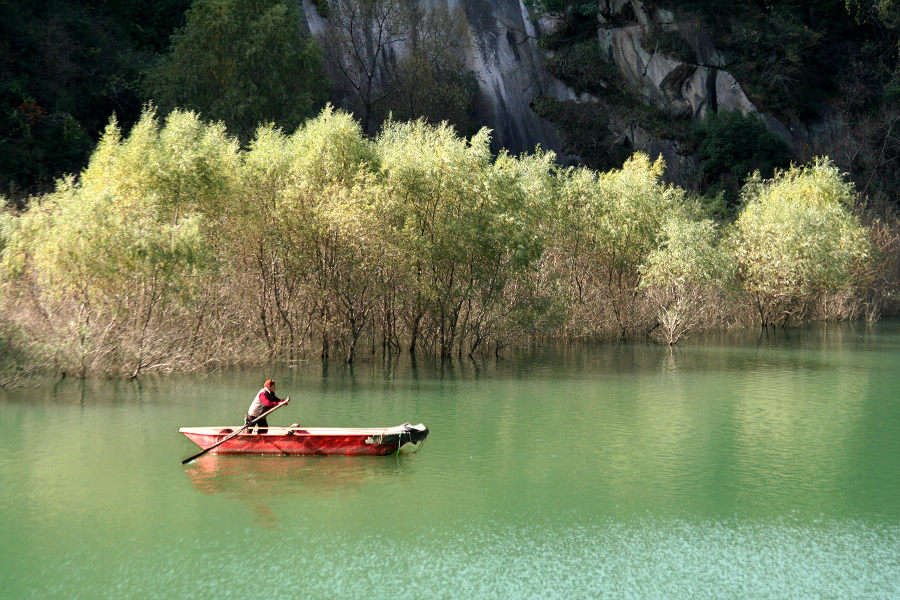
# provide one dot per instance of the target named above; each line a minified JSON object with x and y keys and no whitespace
{"x":228,"y":437}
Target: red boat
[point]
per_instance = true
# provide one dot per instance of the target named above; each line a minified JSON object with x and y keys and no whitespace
{"x":377,"y":441}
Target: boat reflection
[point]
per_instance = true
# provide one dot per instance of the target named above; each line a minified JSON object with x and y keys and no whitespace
{"x":249,"y":477}
{"x":259,"y":481}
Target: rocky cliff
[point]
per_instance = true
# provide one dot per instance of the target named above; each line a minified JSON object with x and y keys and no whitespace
{"x":502,"y":53}
{"x":681,"y":87}
{"x":508,"y":64}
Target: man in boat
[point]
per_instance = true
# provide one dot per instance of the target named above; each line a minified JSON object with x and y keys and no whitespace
{"x":263,"y":401}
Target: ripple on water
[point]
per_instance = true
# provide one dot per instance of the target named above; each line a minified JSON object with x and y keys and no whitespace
{"x":652,"y":558}
{"x":644,"y":558}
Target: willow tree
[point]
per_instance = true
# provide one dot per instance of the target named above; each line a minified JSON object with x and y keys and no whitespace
{"x":271,"y":295}
{"x":607,"y":224}
{"x":300,"y":228}
{"x":458,"y":218}
{"x":355,"y":269}
{"x":115,"y":262}
{"x":182,"y":165}
{"x":687,"y":277}
{"x":797,"y":240}
{"x":325,"y":225}
{"x":526,"y":304}
{"x":102,"y":272}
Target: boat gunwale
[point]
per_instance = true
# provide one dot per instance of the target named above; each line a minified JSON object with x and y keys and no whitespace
{"x":312,"y":431}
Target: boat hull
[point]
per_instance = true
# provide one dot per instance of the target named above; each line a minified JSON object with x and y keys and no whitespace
{"x":312,"y":440}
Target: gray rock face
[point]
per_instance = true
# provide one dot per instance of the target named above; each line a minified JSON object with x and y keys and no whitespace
{"x":504,"y":56}
{"x":683,"y":89}
{"x":679,"y":88}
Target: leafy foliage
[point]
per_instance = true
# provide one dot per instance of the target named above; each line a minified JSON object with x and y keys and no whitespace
{"x":796,"y":238}
{"x":241,"y":62}
{"x":65,"y":67}
{"x":584,"y":8}
{"x":686,"y":275}
{"x":179,"y":248}
{"x":127,"y":242}
{"x":608,"y":224}
{"x":459,"y":219}
{"x":730,"y":146}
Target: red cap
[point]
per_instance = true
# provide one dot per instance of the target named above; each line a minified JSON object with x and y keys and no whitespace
{"x":269,"y":383}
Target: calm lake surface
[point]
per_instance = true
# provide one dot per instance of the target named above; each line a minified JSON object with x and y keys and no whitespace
{"x":740,"y":466}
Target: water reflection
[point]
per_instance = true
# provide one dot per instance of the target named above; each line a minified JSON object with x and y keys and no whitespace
{"x":256,"y":480}
{"x":251,"y":477}
{"x":308,"y":475}
{"x":727,"y":468}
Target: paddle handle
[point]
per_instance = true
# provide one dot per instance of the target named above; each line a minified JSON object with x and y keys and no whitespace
{"x":228,"y":437}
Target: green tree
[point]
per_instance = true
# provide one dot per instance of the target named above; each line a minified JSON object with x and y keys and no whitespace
{"x":731,"y":146}
{"x":241,"y":62}
{"x":304,"y":248}
{"x":797,"y":239}
{"x":115,"y":261}
{"x":328,"y":229}
{"x":685,"y":277}
{"x":884,"y":15}
{"x":460,"y":221}
{"x":608,"y":223}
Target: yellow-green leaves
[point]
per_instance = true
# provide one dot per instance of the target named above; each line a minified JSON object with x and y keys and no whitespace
{"x":181,"y":166}
{"x":689,"y":254}
{"x":177,"y":248}
{"x":797,"y":238}
{"x":465,"y":226}
{"x":685,"y":276}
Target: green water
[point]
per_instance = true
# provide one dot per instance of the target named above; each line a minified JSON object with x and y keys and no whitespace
{"x":733,"y":467}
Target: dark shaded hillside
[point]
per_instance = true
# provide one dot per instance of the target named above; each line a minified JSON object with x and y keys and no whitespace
{"x":824,"y":72}
{"x":65,"y":67}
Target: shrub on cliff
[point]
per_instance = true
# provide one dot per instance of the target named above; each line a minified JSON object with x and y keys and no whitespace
{"x":731,"y":146}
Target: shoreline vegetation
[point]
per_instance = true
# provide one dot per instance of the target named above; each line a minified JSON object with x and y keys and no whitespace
{"x":179,"y":249}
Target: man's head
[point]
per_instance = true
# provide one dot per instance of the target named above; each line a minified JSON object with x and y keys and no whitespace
{"x":270,"y":384}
